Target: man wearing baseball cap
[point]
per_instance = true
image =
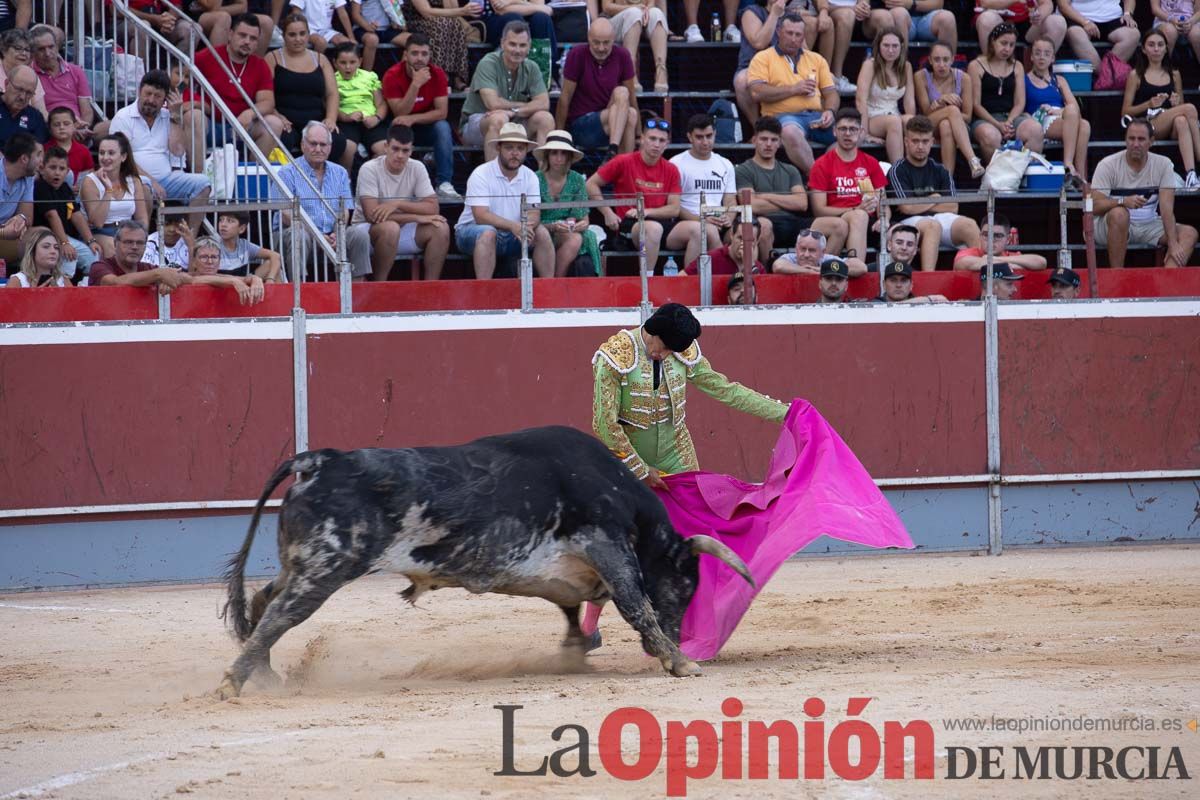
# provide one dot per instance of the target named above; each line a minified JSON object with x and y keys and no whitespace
{"x":834,"y":280}
{"x":898,"y":286}
{"x":1064,"y":284}
{"x":1004,"y":281}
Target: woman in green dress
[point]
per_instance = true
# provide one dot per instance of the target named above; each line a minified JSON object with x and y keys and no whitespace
{"x":568,"y":227}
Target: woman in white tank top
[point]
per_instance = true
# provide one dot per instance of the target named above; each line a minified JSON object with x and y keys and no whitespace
{"x":114,"y":192}
{"x":42,"y":264}
{"x":885,"y":82}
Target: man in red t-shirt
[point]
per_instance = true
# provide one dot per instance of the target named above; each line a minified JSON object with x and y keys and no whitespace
{"x":254,"y":76}
{"x":844,"y":180}
{"x":418,"y":95}
{"x":657,"y":180}
{"x":727,"y":260}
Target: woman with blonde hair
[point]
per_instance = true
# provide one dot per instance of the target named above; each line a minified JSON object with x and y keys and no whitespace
{"x":885,"y":81}
{"x":569,"y":229}
{"x":1049,"y":99}
{"x":42,"y":264}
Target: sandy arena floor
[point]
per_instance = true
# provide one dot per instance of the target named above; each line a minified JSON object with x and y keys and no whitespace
{"x":103,"y":693}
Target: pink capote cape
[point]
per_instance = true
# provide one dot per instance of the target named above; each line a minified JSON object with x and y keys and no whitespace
{"x":814,"y":486}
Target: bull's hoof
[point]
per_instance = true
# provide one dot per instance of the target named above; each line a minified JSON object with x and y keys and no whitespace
{"x":228,"y":689}
{"x":685,"y":669}
{"x":592,"y":642}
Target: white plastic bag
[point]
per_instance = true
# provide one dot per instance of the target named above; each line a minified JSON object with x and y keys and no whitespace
{"x":220,"y":167}
{"x":1007,"y":167}
{"x":128,"y":71}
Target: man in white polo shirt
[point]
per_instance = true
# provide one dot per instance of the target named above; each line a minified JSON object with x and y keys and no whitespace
{"x":489,"y":228}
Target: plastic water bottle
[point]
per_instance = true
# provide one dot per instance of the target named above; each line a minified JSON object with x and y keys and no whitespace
{"x":670,"y":269}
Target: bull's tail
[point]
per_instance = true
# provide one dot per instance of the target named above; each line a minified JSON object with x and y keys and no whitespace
{"x":234,"y":611}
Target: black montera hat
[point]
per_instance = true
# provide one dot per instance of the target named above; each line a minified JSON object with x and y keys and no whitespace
{"x":675,"y":324}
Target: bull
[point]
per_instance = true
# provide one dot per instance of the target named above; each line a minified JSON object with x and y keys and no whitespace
{"x":546,"y":512}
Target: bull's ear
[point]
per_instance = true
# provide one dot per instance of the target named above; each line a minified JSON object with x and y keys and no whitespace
{"x":707,"y":544}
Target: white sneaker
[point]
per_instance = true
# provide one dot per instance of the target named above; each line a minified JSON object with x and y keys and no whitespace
{"x":446,"y":191}
{"x":844,"y":86}
{"x":732,"y":34}
{"x":692,"y":34}
{"x":1191,"y":182}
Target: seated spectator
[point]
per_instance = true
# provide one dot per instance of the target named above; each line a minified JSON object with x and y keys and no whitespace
{"x":215,"y":18}
{"x":779,"y":195}
{"x":633,"y":19}
{"x":833,"y":282}
{"x":727,"y":259}
{"x":915,"y":176}
{"x":898,"y":287}
{"x":691,"y":12}
{"x":16,"y":50}
{"x":174,"y":27}
{"x":736,"y":293}
{"x":945,"y":95}
{"x":62,"y":135}
{"x":1033,"y":20}
{"x":759,"y":21}
{"x":252,"y":75}
{"x":307,"y":90}
{"x":844,"y":182}
{"x":1004,"y":281}
{"x":147,"y":125}
{"x":325,"y":196}
{"x":809,"y":256}
{"x":901,"y":245}
{"x":319,"y":14}
{"x":205,"y":271}
{"x":171,"y":245}
{"x":239,"y":254}
{"x":997,"y":238}
{"x":489,"y":228}
{"x":418,"y":96}
{"x":1050,"y":100}
{"x":126,"y":267}
{"x":931,"y":22}
{"x":43,"y":264}
{"x":885,"y":82}
{"x":1100,"y":20}
{"x":998,"y":86}
{"x":1177,"y":19}
{"x":22,"y":159}
{"x":577,"y":253}
{"x":657,"y":180}
{"x":507,"y":88}
{"x":795,"y":85}
{"x":362,"y":113}
{"x":598,"y":103}
{"x":369,"y":17}
{"x":1154,"y":90}
{"x":63,"y":84}
{"x":114,"y":191}
{"x":15,"y":14}
{"x":1129,"y":190}
{"x":703,"y":171}
{"x":874,"y":18}
{"x":445,"y":25}
{"x":1064,"y":284}
{"x":56,"y":209}
{"x":399,"y":209}
{"x":537,"y":14}
{"x":15,"y":112}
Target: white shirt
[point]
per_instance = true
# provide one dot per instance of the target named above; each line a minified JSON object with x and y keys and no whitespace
{"x":713,"y":176}
{"x":1098,"y":10}
{"x":150,"y":144}
{"x":487,"y":186}
{"x":319,"y":13}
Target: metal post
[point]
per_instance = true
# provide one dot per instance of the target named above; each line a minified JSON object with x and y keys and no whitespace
{"x":164,"y":300}
{"x":642,"y":266}
{"x":991,"y":341}
{"x":300,"y":376}
{"x":526,"y":265}
{"x":345,"y":294}
{"x":1089,"y":238}
{"x":1064,"y":253}
{"x":294,"y":264}
{"x":705,"y":262}
{"x":991,"y":222}
{"x":746,"y":200}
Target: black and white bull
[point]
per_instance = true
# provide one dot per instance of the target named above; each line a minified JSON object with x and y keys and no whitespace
{"x":546,"y":512}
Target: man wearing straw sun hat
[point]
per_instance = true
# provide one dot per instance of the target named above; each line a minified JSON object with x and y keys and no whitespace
{"x":489,"y":229}
{"x":577,"y":252}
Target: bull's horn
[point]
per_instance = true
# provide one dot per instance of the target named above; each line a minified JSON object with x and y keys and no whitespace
{"x":707,"y":544}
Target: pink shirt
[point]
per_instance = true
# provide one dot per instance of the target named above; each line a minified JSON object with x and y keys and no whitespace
{"x":66,"y":87}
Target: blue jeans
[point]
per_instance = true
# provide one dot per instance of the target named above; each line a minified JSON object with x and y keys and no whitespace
{"x":804,"y":120}
{"x":84,"y":258}
{"x":441,"y":137}
{"x":588,"y":131}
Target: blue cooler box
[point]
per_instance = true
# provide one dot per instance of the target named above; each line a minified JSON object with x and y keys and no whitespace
{"x":1077,"y":73}
{"x":252,"y":181}
{"x":1039,"y":178}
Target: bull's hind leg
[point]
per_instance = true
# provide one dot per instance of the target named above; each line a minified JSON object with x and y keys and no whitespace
{"x":575,"y":637}
{"x":295,"y":602}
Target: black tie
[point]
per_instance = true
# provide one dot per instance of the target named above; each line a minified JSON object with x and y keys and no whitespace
{"x":657,"y":368}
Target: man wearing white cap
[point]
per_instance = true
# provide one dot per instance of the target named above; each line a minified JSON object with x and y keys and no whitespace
{"x":489,"y":228}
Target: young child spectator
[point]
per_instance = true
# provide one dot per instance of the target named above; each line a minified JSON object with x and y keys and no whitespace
{"x":174,"y":239}
{"x":319,"y":14}
{"x":62,"y":134}
{"x":361,"y":107}
{"x":55,"y":208}
{"x":238,"y":253}
{"x":42,"y":264}
{"x":369,"y":17}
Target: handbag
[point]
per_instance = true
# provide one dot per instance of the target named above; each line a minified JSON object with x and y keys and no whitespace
{"x":220,"y":167}
{"x":1113,"y":73}
{"x":1007,"y":168}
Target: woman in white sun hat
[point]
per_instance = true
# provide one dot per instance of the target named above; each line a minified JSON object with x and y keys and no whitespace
{"x":574,"y":240}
